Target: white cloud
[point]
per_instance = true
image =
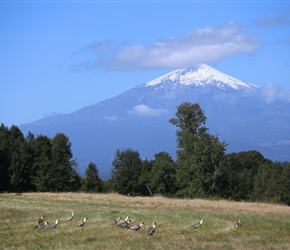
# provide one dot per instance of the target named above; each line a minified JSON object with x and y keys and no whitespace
{"x":272,"y":92}
{"x":207,"y":45}
{"x":144,"y":110}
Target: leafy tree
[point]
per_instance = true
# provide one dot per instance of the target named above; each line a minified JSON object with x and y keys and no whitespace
{"x":239,"y":174}
{"x":200,"y":155}
{"x":285,"y":183}
{"x":108,"y":186}
{"x":163,"y":174}
{"x":266,"y":186}
{"x":92,"y":182}
{"x":229,"y":179}
{"x":126,"y":172}
{"x":145,"y":177}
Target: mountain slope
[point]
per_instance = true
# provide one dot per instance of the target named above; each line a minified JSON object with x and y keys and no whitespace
{"x":139,"y":118}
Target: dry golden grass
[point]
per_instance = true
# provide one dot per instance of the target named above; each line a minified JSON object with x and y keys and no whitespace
{"x":200,"y":204}
{"x":265,"y":226}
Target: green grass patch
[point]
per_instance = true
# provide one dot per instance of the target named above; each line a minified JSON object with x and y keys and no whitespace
{"x":263,"y":228}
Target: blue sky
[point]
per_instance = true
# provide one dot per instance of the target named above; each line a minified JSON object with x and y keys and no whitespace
{"x":59,"y":56}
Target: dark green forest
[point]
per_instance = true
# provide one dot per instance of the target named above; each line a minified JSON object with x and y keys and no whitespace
{"x":202,"y":169}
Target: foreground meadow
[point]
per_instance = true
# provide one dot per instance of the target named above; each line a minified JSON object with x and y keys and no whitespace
{"x":265,"y":226}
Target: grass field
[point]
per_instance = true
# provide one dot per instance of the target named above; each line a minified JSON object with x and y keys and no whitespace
{"x":265,"y":226}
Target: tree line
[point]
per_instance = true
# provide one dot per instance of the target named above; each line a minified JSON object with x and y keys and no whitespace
{"x":202,"y":169}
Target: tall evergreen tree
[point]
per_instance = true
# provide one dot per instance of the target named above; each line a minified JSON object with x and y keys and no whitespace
{"x":127,"y":171}
{"x":18,"y":169}
{"x":29,"y":160}
{"x":200,"y":155}
{"x":92,"y":182}
{"x":63,"y":176}
{"x":42,"y":163}
{"x":26,"y":172}
{"x":5,"y":158}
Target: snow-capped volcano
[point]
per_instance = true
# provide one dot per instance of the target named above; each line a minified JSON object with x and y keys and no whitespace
{"x":201,"y":75}
{"x":139,"y":118}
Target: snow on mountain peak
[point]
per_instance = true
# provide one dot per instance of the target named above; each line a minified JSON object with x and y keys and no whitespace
{"x":201,"y":75}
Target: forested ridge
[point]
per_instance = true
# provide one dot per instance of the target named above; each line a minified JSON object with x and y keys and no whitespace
{"x":202,"y":169}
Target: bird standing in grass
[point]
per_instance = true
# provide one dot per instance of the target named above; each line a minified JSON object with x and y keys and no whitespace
{"x":71,"y":217}
{"x":41,"y":225}
{"x":122,"y":221}
{"x":41,"y":219}
{"x":136,"y":227}
{"x":124,"y":224}
{"x":197,"y":225}
{"x":54,"y":225}
{"x":82,"y":222}
{"x":152,"y":229}
{"x":238,"y":224}
{"x":113,"y":222}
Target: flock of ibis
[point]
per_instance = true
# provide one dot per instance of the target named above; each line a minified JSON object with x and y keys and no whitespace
{"x":42,"y":223}
{"x":121,"y":223}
